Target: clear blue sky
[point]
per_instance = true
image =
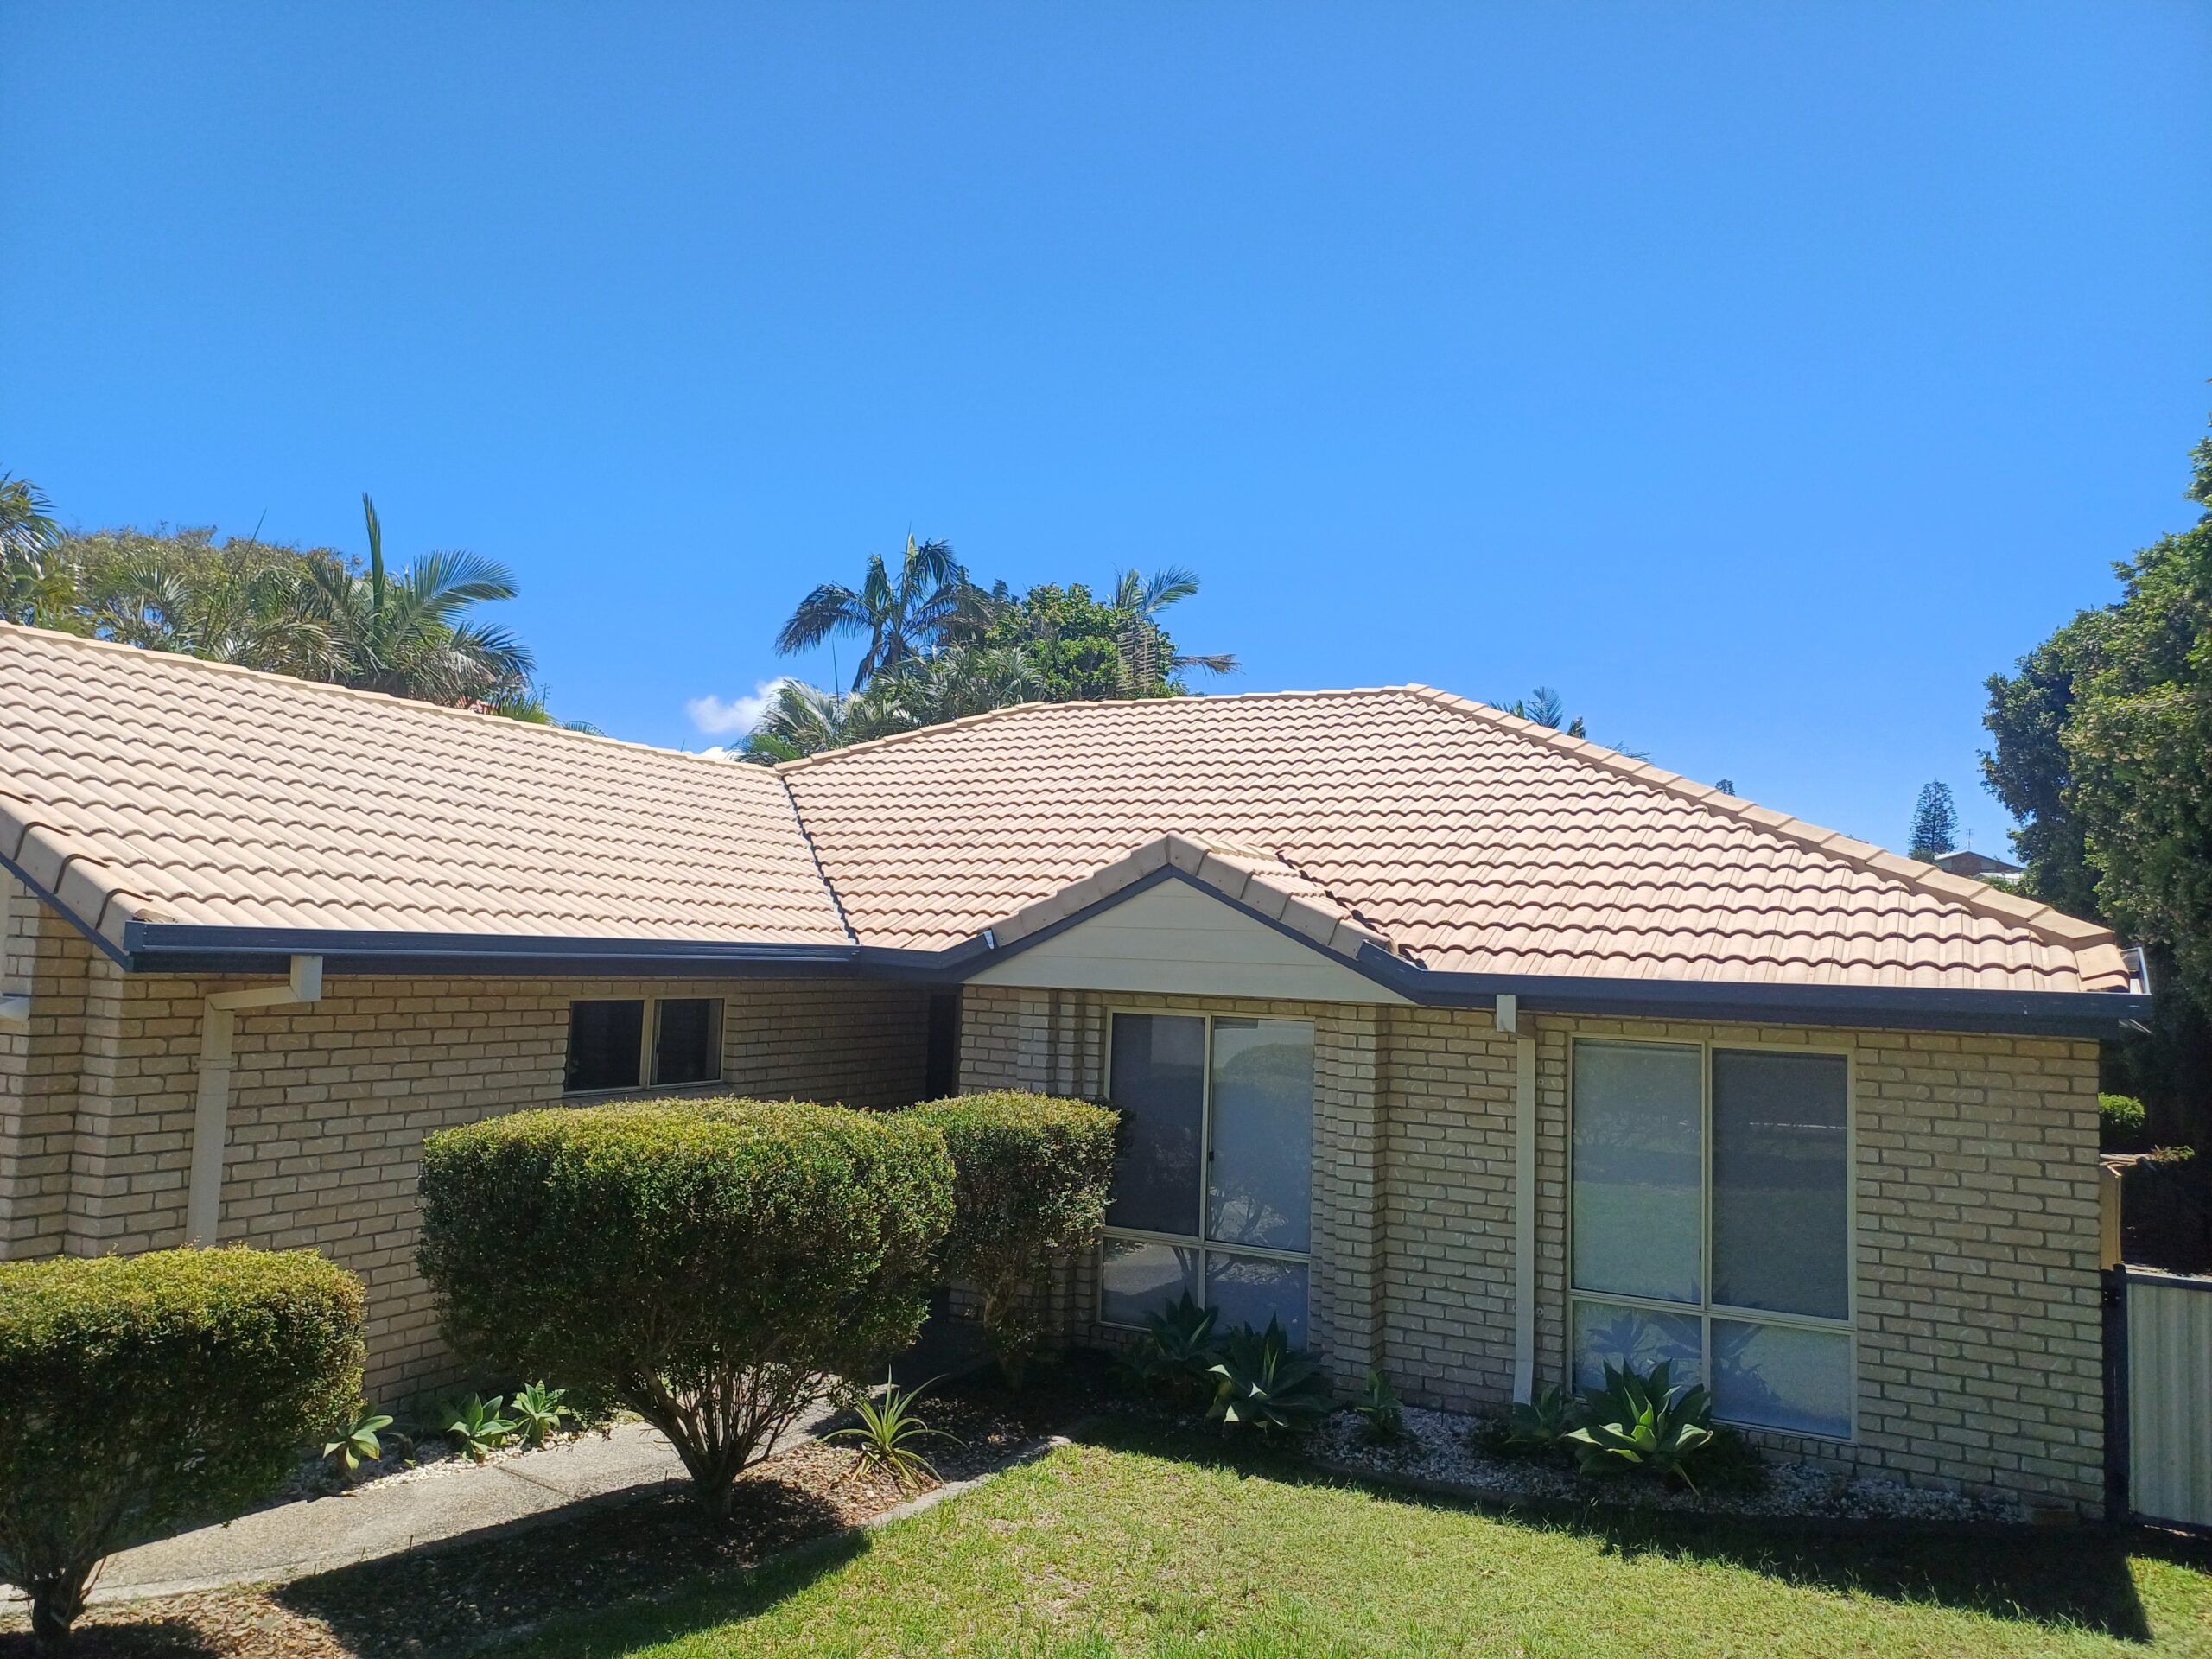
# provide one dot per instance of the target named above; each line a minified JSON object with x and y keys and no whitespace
{"x":1761,"y":376}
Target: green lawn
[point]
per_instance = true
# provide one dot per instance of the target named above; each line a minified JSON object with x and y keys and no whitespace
{"x":1129,"y":1544}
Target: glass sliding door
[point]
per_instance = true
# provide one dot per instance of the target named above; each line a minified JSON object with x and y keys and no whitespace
{"x":1213,"y":1184}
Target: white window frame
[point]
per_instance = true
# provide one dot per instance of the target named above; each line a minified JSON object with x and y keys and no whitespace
{"x":1705,"y":1309}
{"x":648,"y":1039}
{"x":1200,"y":1243}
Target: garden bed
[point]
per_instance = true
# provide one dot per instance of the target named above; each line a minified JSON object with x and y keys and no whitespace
{"x":1444,"y":1451}
{"x":454,"y":1596}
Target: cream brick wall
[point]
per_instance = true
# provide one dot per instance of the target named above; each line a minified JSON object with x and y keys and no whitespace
{"x":1979,"y":1347}
{"x":330,"y":1103}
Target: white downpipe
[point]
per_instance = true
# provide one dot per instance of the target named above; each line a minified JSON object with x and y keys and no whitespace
{"x":211,"y":1116}
{"x":1524,"y":1213}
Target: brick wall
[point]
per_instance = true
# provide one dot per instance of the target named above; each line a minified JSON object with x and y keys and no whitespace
{"x":330,"y":1102}
{"x":1979,"y":1351}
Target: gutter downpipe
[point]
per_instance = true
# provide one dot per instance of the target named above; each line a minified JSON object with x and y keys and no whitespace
{"x":211,"y":1116}
{"x":1524,"y":1195}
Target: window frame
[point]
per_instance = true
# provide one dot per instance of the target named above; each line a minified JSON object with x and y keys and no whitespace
{"x":1705,"y":1310}
{"x":1199,"y":1242}
{"x":648,"y":1042}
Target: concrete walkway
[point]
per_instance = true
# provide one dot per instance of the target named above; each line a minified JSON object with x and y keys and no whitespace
{"x":398,"y":1513}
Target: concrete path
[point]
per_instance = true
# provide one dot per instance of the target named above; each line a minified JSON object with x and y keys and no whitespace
{"x":398,"y":1513}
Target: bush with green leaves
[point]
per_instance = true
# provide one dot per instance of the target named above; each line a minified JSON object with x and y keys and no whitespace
{"x":1178,"y":1351}
{"x":2122,"y":1124}
{"x":713,"y":1265}
{"x":1030,"y":1180}
{"x":1264,"y":1384}
{"x":136,"y":1392}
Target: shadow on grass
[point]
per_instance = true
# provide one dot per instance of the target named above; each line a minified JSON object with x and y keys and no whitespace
{"x":2065,"y":1578}
{"x":154,"y":1639}
{"x":462,"y":1593}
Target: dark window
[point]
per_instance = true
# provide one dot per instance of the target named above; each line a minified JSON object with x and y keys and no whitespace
{"x":605,"y":1042}
{"x":688,"y":1040}
{"x":940,"y":1062}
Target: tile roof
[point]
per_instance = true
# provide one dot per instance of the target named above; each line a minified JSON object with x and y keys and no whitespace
{"x":149,"y":787}
{"x":142,"y":785}
{"x":1470,"y":839}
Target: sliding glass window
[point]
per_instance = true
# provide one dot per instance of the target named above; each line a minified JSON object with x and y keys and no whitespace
{"x":1711,"y":1225}
{"x":1213,"y":1184}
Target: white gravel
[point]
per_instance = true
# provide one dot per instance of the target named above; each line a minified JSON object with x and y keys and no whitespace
{"x":1438,"y":1446}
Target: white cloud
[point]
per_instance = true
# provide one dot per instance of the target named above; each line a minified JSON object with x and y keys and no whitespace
{"x":737,"y":717}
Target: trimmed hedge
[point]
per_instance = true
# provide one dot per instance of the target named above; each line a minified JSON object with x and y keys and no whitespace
{"x":139,"y":1391}
{"x":1031,"y":1177}
{"x":2122,"y":1124}
{"x":713,"y":1265}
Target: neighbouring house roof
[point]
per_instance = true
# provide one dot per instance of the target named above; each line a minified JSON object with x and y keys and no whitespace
{"x":1967,"y":862}
{"x":169,"y":805}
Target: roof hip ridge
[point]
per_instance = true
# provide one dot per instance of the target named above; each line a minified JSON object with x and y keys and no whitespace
{"x":2047,"y":922}
{"x":186,"y":661}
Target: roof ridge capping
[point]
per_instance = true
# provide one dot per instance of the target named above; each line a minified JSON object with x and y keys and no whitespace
{"x":186,"y":661}
{"x":2054,"y":926}
{"x":799,"y":763}
{"x":1237,"y":872}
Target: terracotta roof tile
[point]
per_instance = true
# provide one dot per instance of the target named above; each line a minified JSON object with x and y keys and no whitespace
{"x":1465,"y":837}
{"x":144,"y":786}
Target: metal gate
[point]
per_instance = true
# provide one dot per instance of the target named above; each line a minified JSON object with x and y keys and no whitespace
{"x":2160,"y":1361}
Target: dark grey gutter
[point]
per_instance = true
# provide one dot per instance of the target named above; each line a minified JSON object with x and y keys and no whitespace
{"x":2047,"y":1014}
{"x":164,"y":947}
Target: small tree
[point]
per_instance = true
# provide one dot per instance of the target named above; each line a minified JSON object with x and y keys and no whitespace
{"x":712,"y":1265}
{"x":1935,"y":823}
{"x":1030,"y":1180}
{"x":139,"y":1391}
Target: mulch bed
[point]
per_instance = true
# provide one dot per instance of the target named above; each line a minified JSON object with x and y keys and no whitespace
{"x":461,"y":1594}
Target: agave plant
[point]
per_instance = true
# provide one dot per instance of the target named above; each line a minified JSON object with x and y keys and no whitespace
{"x":889,"y":1431}
{"x":538,"y":1412}
{"x":1178,"y":1351}
{"x":1382,"y":1413}
{"x":1542,"y":1421}
{"x":1264,"y":1383}
{"x":1643,"y":1423}
{"x":475,"y":1426}
{"x":359,"y":1444}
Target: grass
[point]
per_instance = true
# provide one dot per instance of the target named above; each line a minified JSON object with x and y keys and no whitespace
{"x":1135,"y":1544}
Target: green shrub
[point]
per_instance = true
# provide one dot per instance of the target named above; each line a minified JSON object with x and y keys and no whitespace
{"x":1178,"y":1352}
{"x":139,"y":1391}
{"x":1381,"y":1414}
{"x":2122,"y":1124}
{"x":712,"y":1265}
{"x":1030,"y":1177}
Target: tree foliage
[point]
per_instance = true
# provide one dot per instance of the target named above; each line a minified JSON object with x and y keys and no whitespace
{"x":312,"y":612}
{"x":1934,"y":821}
{"x":2103,"y":750}
{"x":941,"y":647}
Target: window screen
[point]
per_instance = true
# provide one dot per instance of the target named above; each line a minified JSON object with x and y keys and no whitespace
{"x":606,"y":1041}
{"x":687,"y":1040}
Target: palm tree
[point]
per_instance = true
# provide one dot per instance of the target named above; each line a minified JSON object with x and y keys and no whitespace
{"x":227,"y":610}
{"x":1544,"y":707}
{"x":806,"y":720}
{"x":411,"y":634}
{"x":903,"y":619}
{"x":1152,"y":665}
{"x":38,"y":584}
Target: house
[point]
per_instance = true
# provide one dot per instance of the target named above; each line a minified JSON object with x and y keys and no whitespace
{"x":1980,"y":865}
{"x":1468,"y":1049}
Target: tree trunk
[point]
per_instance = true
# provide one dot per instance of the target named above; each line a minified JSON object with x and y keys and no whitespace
{"x":55,"y":1603}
